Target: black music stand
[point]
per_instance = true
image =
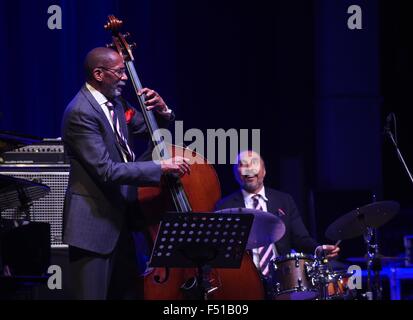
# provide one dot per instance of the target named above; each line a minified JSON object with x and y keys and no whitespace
{"x":201,"y":240}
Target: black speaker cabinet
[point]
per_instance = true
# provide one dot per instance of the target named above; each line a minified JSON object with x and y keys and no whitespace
{"x":49,"y":208}
{"x":25,"y":249}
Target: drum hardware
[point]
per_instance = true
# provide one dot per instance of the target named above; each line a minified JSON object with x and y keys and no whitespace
{"x":364,"y":221}
{"x":330,"y":284}
{"x":320,"y":277}
{"x":374,"y":289}
{"x":303,"y":277}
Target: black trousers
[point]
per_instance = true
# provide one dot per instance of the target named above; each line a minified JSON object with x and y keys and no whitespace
{"x":99,"y":277}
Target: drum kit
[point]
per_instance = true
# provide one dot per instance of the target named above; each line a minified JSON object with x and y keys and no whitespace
{"x":298,"y":276}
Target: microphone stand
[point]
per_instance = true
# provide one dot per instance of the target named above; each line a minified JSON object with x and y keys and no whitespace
{"x":399,"y":155}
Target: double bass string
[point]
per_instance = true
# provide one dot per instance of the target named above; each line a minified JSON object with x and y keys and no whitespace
{"x":179,"y":198}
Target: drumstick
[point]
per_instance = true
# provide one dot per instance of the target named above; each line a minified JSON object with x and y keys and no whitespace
{"x":337,"y":243}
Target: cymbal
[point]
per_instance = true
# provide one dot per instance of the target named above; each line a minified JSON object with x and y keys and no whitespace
{"x":10,"y":140}
{"x":15,"y":192}
{"x":356,"y":222}
{"x":266,"y":228}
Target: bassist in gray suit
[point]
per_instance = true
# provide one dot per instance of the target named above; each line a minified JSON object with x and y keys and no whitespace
{"x":101,"y":203}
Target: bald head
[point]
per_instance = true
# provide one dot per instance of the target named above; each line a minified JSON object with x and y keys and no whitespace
{"x":99,"y":57}
{"x":105,"y":71}
{"x":250,"y":171}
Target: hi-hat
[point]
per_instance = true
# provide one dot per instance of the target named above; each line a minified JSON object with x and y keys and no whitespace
{"x":11,"y":140}
{"x":15,"y":192}
{"x":356,"y":222}
{"x":266,"y":227}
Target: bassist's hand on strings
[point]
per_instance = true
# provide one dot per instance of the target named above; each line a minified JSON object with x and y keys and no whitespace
{"x":154,"y":101}
{"x":177,"y":165}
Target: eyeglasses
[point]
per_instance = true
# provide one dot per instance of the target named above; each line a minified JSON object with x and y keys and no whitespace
{"x":117,"y":72}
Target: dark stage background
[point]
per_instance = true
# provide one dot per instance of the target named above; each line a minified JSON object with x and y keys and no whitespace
{"x":318,"y":91}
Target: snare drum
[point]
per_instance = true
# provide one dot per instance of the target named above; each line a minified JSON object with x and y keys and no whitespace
{"x":290,"y":277}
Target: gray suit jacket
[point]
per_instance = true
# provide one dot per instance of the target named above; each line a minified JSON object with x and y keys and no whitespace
{"x":102,"y":188}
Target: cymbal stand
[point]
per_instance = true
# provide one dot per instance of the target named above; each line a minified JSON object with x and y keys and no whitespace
{"x":374,"y":289}
{"x":320,"y":274}
{"x":25,"y":203}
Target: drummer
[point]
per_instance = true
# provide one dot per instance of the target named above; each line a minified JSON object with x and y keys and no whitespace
{"x":249,"y":172}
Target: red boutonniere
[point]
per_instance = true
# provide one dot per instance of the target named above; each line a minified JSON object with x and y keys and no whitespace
{"x":129,"y":113}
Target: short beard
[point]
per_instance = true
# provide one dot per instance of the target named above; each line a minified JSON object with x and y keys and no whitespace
{"x":250,"y":187}
{"x":115,"y":93}
{"x":112,"y":92}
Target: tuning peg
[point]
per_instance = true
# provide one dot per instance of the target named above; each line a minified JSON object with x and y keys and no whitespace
{"x":110,"y":45}
{"x":108,"y":26}
{"x":126,"y":35}
{"x":132,"y":45}
{"x":114,"y":23}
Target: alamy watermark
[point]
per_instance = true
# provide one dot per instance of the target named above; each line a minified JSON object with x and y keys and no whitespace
{"x":55,"y":20}
{"x":355,"y":21}
{"x":355,"y":280}
{"x":55,"y":279}
{"x":217,"y":146}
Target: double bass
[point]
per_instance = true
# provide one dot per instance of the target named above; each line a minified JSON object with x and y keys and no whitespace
{"x":197,"y":192}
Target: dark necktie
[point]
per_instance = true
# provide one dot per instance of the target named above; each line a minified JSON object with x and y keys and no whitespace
{"x":130,"y":156}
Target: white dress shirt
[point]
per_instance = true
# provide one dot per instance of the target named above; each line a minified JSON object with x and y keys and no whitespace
{"x":102,"y":100}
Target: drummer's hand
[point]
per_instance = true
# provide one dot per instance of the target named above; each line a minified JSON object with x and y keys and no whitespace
{"x":178,"y":165}
{"x":330,"y":251}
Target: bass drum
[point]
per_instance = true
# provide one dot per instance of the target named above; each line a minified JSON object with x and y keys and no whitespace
{"x":237,"y":284}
